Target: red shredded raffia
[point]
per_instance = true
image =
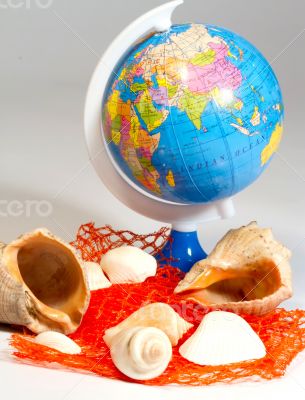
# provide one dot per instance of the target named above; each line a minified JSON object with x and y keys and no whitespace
{"x":281,"y":331}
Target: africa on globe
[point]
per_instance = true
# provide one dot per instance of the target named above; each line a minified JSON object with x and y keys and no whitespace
{"x":193,"y":114}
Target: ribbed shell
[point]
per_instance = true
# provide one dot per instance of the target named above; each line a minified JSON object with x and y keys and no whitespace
{"x":128,"y":264}
{"x":95,"y":275}
{"x":222,"y":338}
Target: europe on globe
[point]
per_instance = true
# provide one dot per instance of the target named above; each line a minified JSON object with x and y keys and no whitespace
{"x":193,"y":114}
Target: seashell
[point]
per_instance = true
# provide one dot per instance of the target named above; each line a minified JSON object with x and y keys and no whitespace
{"x":141,"y":352}
{"x":128,"y":264}
{"x":58,"y":341}
{"x":42,"y":284}
{"x":222,"y":338}
{"x":96,"y":278}
{"x":248,"y":271}
{"x":158,"y":315}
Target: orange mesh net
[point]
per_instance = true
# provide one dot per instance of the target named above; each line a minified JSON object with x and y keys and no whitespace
{"x":281,"y":331}
{"x":93,"y":242}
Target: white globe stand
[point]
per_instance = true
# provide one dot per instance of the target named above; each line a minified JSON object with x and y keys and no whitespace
{"x":183,"y":217}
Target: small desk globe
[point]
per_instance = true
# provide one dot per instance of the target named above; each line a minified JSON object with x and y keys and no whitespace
{"x":191,"y":115}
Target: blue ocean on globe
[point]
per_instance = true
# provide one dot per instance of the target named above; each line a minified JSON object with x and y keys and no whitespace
{"x":193,"y":115}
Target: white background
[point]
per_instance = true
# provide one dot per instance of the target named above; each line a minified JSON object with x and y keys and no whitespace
{"x":47,"y":58}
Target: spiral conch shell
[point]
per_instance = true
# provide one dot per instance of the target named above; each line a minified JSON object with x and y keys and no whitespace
{"x":42,"y":283}
{"x":158,"y":315}
{"x":248,"y":271}
{"x":141,"y":352}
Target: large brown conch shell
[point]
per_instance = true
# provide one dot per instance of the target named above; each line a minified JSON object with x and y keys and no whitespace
{"x":248,"y":271}
{"x":42,"y":284}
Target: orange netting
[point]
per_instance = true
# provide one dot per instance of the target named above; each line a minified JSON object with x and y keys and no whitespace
{"x":281,"y":331}
{"x":93,"y":242}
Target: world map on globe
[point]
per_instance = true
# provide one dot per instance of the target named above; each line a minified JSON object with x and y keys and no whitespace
{"x":193,"y":114}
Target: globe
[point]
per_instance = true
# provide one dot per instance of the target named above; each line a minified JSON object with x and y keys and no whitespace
{"x":193,"y":114}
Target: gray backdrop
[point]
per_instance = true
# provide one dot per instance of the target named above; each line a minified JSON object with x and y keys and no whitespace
{"x":47,"y":57}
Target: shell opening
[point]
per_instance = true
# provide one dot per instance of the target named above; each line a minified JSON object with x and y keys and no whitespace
{"x":53,"y":275}
{"x":218,"y":286}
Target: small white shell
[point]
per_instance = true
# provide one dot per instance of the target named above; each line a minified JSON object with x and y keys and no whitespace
{"x":222,"y":338}
{"x":158,"y":315}
{"x":96,"y":278}
{"x":128,"y":264}
{"x":141,"y":353}
{"x":58,"y":341}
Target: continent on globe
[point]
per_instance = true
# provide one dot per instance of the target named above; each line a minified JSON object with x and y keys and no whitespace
{"x":273,"y":144}
{"x":193,"y":115}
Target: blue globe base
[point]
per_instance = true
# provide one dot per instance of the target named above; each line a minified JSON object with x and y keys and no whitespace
{"x":184,"y":248}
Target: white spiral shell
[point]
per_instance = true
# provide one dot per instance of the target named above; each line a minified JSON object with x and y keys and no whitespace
{"x":141,"y":353}
{"x":158,"y":315}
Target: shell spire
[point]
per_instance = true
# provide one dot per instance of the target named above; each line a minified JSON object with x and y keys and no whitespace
{"x":158,"y":315}
{"x":141,"y":352}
